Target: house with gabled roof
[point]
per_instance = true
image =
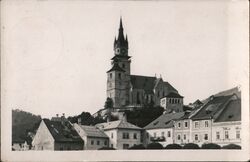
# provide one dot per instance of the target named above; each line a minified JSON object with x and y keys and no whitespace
{"x":93,"y":137}
{"x":121,"y":133}
{"x":57,"y":135}
{"x":161,"y":129}
{"x":226,"y":128}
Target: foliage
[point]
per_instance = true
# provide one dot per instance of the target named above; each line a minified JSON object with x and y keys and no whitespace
{"x":107,"y":148}
{"x":144,"y":116}
{"x":173,"y":146}
{"x":231,"y":146}
{"x":108,"y":103}
{"x":191,"y":146}
{"x":137,"y":147}
{"x":211,"y":146}
{"x":154,"y":146}
{"x":23,"y":123}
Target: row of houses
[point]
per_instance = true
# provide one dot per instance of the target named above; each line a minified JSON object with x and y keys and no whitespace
{"x":214,"y":120}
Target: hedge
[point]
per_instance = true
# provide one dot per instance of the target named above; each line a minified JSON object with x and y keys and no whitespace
{"x":191,"y":146}
{"x":137,"y":147}
{"x":173,"y":146}
{"x":154,"y":146}
{"x":210,"y":146}
{"x":231,"y":146}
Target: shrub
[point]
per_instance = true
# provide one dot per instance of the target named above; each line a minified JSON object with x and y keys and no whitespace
{"x":154,"y":146}
{"x":137,"y":147}
{"x":106,"y":148}
{"x":191,"y":146}
{"x":231,"y":146}
{"x":210,"y":146}
{"x":173,"y":146}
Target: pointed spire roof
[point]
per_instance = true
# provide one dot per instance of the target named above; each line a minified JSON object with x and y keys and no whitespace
{"x":121,"y":27}
{"x":121,"y":38}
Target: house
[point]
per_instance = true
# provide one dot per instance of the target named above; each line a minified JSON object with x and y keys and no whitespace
{"x":226,"y":128}
{"x":161,"y":129}
{"x":121,"y":133}
{"x":172,"y":102}
{"x":203,"y":119}
{"x":94,"y":137}
{"x":57,"y":134}
{"x":19,"y":145}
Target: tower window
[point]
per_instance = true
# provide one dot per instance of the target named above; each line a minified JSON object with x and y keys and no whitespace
{"x":123,"y":65}
{"x":119,"y":75}
{"x":110,"y":75}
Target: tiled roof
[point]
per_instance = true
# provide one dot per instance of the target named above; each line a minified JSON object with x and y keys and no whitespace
{"x":93,"y":131}
{"x":170,"y":87}
{"x":62,"y":132}
{"x":120,"y":56}
{"x":232,"y":112}
{"x":119,"y":124}
{"x":173,"y":95}
{"x":214,"y":105}
{"x":164,"y":121}
{"x":143,"y":82}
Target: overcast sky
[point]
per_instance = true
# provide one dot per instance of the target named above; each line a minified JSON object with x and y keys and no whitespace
{"x":56,"y":54}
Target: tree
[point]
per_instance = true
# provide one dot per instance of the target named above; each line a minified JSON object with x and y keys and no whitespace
{"x":173,"y":146}
{"x":191,"y":146}
{"x":109,"y":103}
{"x":154,"y":146}
{"x":137,"y":147}
{"x":231,"y":146}
{"x":210,"y":146}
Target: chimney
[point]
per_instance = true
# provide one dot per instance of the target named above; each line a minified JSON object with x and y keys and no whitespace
{"x":57,"y":115}
{"x":79,"y":121}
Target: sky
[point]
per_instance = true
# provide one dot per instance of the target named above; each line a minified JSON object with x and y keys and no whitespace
{"x":56,"y":53}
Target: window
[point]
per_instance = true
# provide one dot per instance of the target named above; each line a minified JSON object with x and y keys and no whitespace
{"x":125,"y":146}
{"x":186,"y":124}
{"x":112,"y":145}
{"x":98,"y":142}
{"x":206,"y":137}
{"x":123,"y":65}
{"x":196,"y":137}
{"x":169,"y":134}
{"x":147,"y":135}
{"x":138,"y":98}
{"x":179,"y":125}
{"x":179,"y":137}
{"x":119,"y":75}
{"x":92,"y":142}
{"x":196,"y":124}
{"x":105,"y":143}
{"x":162,"y":134}
{"x":125,"y":135}
{"x":112,"y":135}
{"x":135,"y":135}
{"x":237,"y":134}
{"x":155,"y":134}
{"x":226,"y":135}
{"x":217,"y":135}
{"x":184,"y":137}
{"x":110,"y":75}
{"x":206,"y":123}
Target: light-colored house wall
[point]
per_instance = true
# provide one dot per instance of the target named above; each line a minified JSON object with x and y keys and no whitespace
{"x":43,"y":140}
{"x":222,"y":127}
{"x":162,"y":133}
{"x":182,"y":130}
{"x":201,"y":131}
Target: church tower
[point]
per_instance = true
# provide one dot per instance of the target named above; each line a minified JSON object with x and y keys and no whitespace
{"x":118,"y":77}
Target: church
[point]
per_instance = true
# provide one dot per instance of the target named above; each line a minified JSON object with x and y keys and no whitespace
{"x":133,"y":91}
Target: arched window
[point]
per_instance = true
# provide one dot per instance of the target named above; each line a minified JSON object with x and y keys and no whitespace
{"x":138,"y":98}
{"x":119,"y":75}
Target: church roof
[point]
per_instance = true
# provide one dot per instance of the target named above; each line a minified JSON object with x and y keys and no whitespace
{"x":120,"y":57}
{"x":143,"y":82}
{"x":173,"y":95}
{"x":116,"y":67}
{"x":164,"y":121}
{"x":62,"y":132}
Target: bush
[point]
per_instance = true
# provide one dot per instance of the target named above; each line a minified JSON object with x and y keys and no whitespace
{"x":191,"y":146}
{"x":154,"y":146}
{"x":137,"y":147}
{"x":210,"y":146}
{"x":231,"y":146}
{"x":173,"y":146}
{"x":107,"y":148}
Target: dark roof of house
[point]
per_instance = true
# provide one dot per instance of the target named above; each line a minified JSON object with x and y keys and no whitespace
{"x":231,"y":91}
{"x":93,"y":131}
{"x":173,"y":95}
{"x":116,"y":67}
{"x":232,"y":112}
{"x":214,"y":105}
{"x":118,"y":124}
{"x":164,"y":121}
{"x":62,"y":132}
{"x":143,"y":82}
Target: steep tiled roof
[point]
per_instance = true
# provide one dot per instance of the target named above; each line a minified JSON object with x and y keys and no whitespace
{"x":164,"y":121}
{"x":119,"y":124}
{"x":173,"y":95}
{"x":214,"y":105}
{"x":170,"y":87}
{"x":116,"y":67}
{"x":143,"y":82}
{"x":232,"y":112}
{"x":62,"y":132}
{"x":93,"y":131}
{"x":228,"y":92}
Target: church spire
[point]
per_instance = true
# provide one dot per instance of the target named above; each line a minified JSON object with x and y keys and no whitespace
{"x":120,"y":35}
